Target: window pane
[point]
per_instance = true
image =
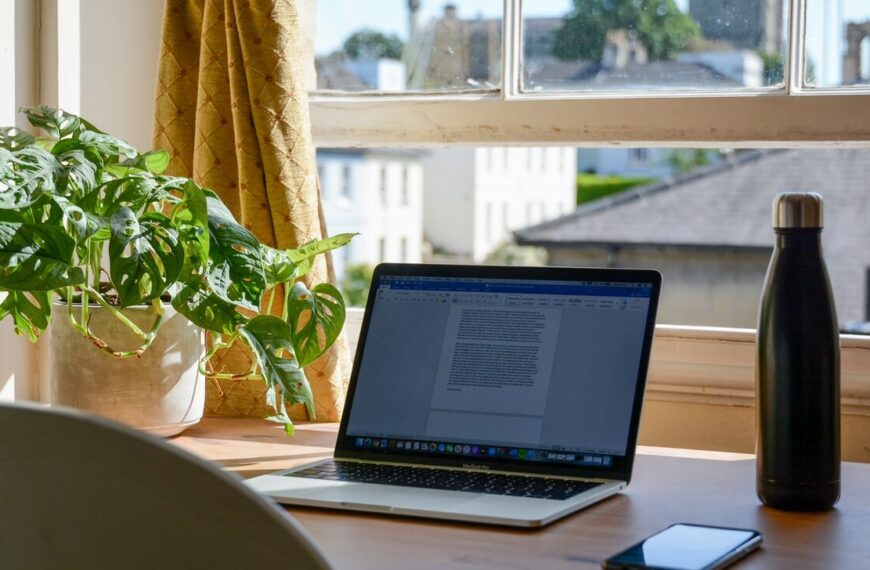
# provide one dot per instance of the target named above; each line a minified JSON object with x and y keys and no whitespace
{"x":701,"y":217}
{"x":643,"y":45}
{"x":838,"y":43}
{"x":408,"y":45}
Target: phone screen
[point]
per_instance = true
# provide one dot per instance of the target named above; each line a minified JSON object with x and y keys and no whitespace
{"x":687,"y":547}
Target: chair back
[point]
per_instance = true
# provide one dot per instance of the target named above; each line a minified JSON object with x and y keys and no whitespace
{"x":78,"y":491}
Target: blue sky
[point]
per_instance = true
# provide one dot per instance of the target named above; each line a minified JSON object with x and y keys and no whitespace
{"x":337,"y":19}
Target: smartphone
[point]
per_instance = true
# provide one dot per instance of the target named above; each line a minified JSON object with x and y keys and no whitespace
{"x":687,"y":547}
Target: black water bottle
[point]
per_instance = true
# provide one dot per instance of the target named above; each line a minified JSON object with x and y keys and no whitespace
{"x":798,"y":366}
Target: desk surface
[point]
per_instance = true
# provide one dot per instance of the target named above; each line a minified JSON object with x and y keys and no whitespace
{"x":669,"y":485}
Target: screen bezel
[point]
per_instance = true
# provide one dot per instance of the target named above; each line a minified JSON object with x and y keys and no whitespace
{"x":621,"y":466}
{"x":621,"y":560}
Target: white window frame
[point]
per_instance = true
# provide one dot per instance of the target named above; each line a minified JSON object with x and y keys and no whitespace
{"x":791,"y":116}
{"x":707,"y":365}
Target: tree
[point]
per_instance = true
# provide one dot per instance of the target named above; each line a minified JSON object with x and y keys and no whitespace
{"x":372,"y":44}
{"x":661,"y":27}
{"x":355,"y":284}
{"x":687,"y":159}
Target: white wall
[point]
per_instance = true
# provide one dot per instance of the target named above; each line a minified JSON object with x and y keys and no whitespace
{"x":448,"y":199}
{"x":364,"y":211}
{"x":120,"y":48}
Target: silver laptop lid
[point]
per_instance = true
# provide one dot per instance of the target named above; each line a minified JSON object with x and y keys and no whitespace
{"x":520,"y":369}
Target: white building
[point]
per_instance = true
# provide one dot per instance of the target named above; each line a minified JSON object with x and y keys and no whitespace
{"x":475,"y":197}
{"x":628,"y":162}
{"x":377,"y":193}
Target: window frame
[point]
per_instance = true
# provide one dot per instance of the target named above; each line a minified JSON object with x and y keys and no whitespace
{"x":793,"y":116}
{"x":709,"y":365}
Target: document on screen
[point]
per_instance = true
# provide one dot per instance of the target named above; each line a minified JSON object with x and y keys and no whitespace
{"x":497,"y":359}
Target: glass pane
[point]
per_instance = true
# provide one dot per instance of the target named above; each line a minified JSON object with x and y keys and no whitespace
{"x":700,"y":216}
{"x":652,"y":45}
{"x":408,"y":45}
{"x":838,"y":43}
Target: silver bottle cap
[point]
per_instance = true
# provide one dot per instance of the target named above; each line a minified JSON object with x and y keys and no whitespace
{"x":797,"y":210}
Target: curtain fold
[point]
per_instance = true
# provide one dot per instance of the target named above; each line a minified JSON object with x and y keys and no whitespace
{"x":232,"y":111}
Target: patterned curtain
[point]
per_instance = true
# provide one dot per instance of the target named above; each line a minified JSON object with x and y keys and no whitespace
{"x":232,"y":111}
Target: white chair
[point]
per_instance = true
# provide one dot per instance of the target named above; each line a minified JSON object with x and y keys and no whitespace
{"x":83,"y":492}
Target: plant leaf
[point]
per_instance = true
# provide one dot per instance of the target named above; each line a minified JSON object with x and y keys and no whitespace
{"x":303,"y":256}
{"x":145,"y":256}
{"x":77,"y":174}
{"x":31,"y":312}
{"x":12,"y":138}
{"x":77,"y":221}
{"x":25,"y":175}
{"x":235,"y":271}
{"x":270,"y":339}
{"x":36,"y":258}
{"x":316,"y":317}
{"x":191,"y":218}
{"x":205,"y":309}
{"x":277,"y":265}
{"x":108,"y":145}
{"x":155,"y":161}
{"x":57,"y":122}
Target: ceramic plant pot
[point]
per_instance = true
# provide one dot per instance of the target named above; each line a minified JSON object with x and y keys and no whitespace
{"x":161,"y":392}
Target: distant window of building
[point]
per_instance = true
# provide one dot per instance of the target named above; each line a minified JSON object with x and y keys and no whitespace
{"x":529,"y":213}
{"x":488,"y":222}
{"x":505,"y":158}
{"x":382,"y":185}
{"x":403,"y":248}
{"x":382,"y":249}
{"x":345,"y":180}
{"x":639,"y":154}
{"x":529,"y":156}
{"x":405,"y":192}
{"x":562,"y":152}
{"x":544,"y":153}
{"x":505,"y":222}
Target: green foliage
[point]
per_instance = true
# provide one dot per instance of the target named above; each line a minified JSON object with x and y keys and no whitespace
{"x":368,"y":44}
{"x":84,"y":216}
{"x":592,"y":187}
{"x":663,"y":29}
{"x":683,"y":160}
{"x":774,"y":67}
{"x":356,"y":283}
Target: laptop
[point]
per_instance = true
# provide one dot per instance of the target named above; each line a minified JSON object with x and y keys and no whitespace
{"x":502,"y":395}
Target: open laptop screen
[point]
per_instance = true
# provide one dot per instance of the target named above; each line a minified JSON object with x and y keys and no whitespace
{"x":536,"y":371}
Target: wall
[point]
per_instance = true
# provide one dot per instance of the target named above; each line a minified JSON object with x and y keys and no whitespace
{"x":448,"y":199}
{"x":120,"y":47}
{"x":709,"y":288}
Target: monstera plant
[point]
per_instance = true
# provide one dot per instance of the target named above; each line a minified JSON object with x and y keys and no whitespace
{"x":87,"y":220}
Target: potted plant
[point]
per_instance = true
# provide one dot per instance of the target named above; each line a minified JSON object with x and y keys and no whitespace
{"x":91,"y":226}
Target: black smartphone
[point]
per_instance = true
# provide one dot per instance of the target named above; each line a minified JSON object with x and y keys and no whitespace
{"x":687,"y":547}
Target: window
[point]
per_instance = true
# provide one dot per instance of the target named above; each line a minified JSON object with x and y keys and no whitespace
{"x":382,"y":249}
{"x":769,"y":82}
{"x":736,"y":76}
{"x":382,"y":184}
{"x":345,"y":181}
{"x":403,"y":248}
{"x":405,"y":191}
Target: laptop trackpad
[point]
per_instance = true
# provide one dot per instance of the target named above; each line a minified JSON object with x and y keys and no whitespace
{"x":386,"y":498}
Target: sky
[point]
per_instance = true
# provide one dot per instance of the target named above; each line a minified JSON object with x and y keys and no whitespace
{"x":337,"y":19}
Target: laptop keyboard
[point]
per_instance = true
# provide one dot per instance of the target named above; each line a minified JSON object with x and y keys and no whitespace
{"x":447,"y":479}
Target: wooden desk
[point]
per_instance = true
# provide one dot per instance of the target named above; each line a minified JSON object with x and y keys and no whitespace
{"x":669,"y":485}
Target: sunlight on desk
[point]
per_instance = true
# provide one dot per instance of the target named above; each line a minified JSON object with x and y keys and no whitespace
{"x":669,"y":485}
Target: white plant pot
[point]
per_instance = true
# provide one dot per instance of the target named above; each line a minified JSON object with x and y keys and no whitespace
{"x":161,"y":392}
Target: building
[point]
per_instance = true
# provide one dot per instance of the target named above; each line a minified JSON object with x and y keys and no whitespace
{"x":709,"y":232}
{"x":746,"y":24}
{"x":475,"y":197}
{"x":377,"y":193}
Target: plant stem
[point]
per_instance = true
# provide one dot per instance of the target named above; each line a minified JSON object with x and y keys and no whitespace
{"x":116,"y":313}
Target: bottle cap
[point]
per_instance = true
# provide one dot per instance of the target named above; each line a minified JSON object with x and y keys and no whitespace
{"x":797,"y":210}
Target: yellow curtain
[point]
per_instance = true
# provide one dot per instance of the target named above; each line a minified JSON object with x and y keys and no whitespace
{"x":232,"y":111}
